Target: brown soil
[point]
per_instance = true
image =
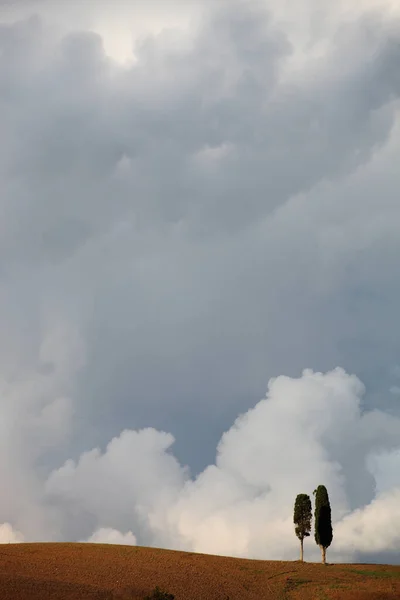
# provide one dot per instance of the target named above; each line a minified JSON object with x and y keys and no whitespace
{"x":106,"y":572}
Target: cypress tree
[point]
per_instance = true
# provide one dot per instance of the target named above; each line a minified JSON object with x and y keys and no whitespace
{"x":323,"y":523}
{"x":302,"y":519}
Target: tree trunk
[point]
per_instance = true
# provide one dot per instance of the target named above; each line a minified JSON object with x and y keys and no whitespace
{"x":323,"y":552}
{"x":301,"y":550}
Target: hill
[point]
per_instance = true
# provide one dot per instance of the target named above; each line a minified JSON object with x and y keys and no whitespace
{"x":106,"y":572}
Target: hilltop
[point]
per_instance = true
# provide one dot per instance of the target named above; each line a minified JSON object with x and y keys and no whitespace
{"x":107,"y":572}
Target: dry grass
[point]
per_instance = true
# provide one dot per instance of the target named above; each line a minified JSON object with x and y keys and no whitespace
{"x":105,"y":572}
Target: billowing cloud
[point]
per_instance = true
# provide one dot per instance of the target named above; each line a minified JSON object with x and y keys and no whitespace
{"x":373,"y":528}
{"x":105,"y":535}
{"x":37,"y":415}
{"x":306,"y":431}
{"x":174,"y":232}
{"x":9,"y":536}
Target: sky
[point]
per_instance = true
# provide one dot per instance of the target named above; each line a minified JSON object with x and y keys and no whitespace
{"x":199,"y":275}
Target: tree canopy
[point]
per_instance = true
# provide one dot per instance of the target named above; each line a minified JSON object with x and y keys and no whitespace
{"x":323,"y":522}
{"x":302,"y":518}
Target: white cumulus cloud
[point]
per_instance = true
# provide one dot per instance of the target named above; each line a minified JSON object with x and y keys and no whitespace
{"x":8,"y":535}
{"x":106,"y":535}
{"x":307,"y":431}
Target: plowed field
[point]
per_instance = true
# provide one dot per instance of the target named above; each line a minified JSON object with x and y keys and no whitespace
{"x":106,"y":572}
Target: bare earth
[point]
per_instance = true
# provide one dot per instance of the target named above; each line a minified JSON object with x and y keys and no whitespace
{"x":106,"y":572}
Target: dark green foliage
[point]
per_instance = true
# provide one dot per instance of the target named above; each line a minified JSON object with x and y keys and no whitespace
{"x":302,"y":519}
{"x":158,"y":594}
{"x":323,"y":522}
{"x":302,"y":516}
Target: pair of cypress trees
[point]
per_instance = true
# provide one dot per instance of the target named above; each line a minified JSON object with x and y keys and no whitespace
{"x":323,"y":524}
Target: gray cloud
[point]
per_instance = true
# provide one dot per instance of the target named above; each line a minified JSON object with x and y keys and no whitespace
{"x":219,"y":212}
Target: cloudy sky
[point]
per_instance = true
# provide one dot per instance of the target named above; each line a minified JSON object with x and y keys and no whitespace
{"x":199,"y":273}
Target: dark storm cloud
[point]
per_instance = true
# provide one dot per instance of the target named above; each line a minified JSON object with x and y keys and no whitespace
{"x":205,"y":219}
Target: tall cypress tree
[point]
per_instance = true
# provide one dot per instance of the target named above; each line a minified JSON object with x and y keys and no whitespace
{"x":323,"y":522}
{"x":302,"y":519}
